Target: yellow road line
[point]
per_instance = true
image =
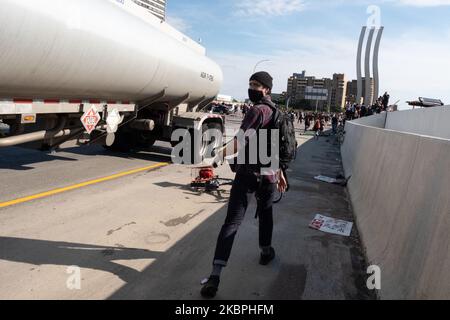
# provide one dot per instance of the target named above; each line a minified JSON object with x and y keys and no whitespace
{"x":80,"y":185}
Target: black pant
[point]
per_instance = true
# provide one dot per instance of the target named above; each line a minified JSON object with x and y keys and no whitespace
{"x":243,"y":186}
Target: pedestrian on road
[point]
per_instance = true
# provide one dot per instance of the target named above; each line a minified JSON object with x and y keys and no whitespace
{"x":307,"y":123}
{"x":316,"y":128}
{"x":300,"y":117}
{"x":334,"y":123}
{"x":249,"y":180}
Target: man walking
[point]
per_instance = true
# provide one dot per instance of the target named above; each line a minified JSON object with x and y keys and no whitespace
{"x":249,"y":180}
{"x":335,"y":123}
{"x":307,"y":123}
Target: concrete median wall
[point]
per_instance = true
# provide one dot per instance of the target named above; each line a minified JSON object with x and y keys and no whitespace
{"x":400,"y":190}
{"x":377,"y":121}
{"x":433,"y":122}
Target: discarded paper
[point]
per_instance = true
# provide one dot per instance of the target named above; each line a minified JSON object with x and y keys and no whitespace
{"x":326,"y":179}
{"x":330,"y":225}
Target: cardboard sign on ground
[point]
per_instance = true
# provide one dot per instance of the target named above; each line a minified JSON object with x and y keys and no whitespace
{"x":330,"y":225}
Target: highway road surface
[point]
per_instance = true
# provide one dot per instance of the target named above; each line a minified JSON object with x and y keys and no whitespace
{"x":85,"y":223}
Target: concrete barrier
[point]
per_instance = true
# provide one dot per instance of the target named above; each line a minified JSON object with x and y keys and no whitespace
{"x":377,"y":121}
{"x":429,"y":122}
{"x":400,"y":190}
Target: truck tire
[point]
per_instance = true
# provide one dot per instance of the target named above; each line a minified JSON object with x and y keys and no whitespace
{"x":210,"y":140}
{"x":198,"y":154}
{"x":144,"y":140}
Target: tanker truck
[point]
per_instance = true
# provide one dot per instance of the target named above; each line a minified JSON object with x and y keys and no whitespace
{"x":104,"y":70}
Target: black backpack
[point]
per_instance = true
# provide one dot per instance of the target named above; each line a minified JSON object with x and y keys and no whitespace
{"x":288,"y":142}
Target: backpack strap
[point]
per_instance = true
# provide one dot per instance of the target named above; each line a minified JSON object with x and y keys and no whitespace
{"x":275,"y":113}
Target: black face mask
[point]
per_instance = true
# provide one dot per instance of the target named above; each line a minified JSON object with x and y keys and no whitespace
{"x":255,"y":95}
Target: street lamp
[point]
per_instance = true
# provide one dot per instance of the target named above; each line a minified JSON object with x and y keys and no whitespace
{"x":288,"y":102}
{"x":256,"y":66}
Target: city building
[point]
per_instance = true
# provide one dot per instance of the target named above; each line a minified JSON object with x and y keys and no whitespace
{"x":297,"y":90}
{"x":352,"y":91}
{"x":299,"y":84}
{"x":221,"y":98}
{"x":337,"y":92}
{"x":155,"y":7}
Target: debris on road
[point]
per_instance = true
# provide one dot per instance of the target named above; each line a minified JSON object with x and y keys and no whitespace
{"x":330,"y":225}
{"x":206,"y":179}
{"x":339,"y":180}
{"x":326,"y":179}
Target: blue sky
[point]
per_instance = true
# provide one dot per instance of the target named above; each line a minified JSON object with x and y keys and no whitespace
{"x":321,"y":37}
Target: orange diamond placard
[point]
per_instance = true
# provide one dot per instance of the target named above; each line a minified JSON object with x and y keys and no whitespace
{"x":90,"y":119}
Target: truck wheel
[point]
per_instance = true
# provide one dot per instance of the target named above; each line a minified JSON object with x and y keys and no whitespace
{"x":197,"y":154}
{"x":209,"y":142}
{"x":144,"y":140}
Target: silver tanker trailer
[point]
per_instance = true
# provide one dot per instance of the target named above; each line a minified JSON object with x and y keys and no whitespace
{"x":105,"y":69}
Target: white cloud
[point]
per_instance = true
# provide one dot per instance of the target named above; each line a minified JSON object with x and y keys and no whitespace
{"x":414,"y":3}
{"x":409,"y":68}
{"x":178,"y":23}
{"x":282,"y":7}
{"x":268,"y":7}
{"x":319,"y":4}
{"x":424,"y":3}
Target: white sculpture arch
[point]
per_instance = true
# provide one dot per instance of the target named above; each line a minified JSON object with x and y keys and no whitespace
{"x":369,"y":55}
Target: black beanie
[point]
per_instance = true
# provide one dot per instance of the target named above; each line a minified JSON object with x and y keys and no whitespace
{"x":264,"y":78}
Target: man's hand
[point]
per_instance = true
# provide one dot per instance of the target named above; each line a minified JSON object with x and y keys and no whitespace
{"x":223,"y":152}
{"x":282,"y":182}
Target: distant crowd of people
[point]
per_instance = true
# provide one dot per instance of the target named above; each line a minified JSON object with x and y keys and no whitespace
{"x":318,"y":121}
{"x":355,"y":111}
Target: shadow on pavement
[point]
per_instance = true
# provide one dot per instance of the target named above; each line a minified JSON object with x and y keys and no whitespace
{"x":16,"y":158}
{"x":21,"y":159}
{"x":220,"y":195}
{"x":39,"y":252}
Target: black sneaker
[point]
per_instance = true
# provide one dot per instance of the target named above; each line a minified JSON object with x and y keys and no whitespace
{"x":267,"y":258}
{"x":211,"y":287}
